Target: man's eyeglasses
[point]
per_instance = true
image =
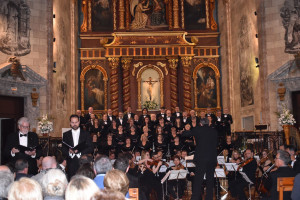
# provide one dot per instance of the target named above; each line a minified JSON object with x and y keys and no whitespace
{"x":27,"y":127}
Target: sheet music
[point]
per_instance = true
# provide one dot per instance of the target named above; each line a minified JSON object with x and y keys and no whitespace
{"x":191,"y":157}
{"x":246,"y":177}
{"x":163,"y":169}
{"x":178,"y":174}
{"x":221,"y":160}
{"x":219,"y":173}
{"x":231,"y":166}
{"x":190,"y":165}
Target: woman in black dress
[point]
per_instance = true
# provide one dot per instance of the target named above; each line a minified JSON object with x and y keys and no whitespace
{"x":128,"y":147}
{"x":133,"y":136}
{"x":107,"y":146}
{"x":159,"y":144}
{"x":144,"y":143}
{"x":113,"y":129}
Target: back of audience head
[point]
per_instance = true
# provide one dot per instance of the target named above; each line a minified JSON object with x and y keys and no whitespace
{"x":21,"y":166}
{"x":49,"y":162}
{"x":5,"y":168}
{"x":86,"y":170}
{"x":25,"y":189}
{"x":6,"y":179}
{"x":54,"y":183}
{"x":122,"y":163}
{"x":102,"y":165}
{"x":82,"y":188}
{"x":116,"y":180}
{"x":111,"y":195}
{"x":85,"y":159}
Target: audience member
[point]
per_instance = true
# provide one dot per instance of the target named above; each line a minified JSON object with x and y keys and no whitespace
{"x":25,"y":189}
{"x":296,"y":189}
{"x":86,"y":170}
{"x":6,"y":179}
{"x":111,"y":195}
{"x":48,"y":162}
{"x":82,"y":188}
{"x":54,"y":184}
{"x":116,"y":180}
{"x":21,"y":169}
{"x":101,"y":166}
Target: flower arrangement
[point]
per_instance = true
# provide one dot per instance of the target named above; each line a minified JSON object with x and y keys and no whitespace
{"x":285,"y":117}
{"x":44,"y":124}
{"x":150,"y":105}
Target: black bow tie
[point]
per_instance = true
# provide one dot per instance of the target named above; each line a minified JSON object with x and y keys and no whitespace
{"x":21,"y":135}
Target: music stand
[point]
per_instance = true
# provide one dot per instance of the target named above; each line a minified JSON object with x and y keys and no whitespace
{"x":261,"y":127}
{"x":176,"y":175}
{"x":162,"y":183}
{"x":246,"y":178}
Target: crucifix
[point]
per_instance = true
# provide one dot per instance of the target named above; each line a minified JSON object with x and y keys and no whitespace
{"x":150,"y":83}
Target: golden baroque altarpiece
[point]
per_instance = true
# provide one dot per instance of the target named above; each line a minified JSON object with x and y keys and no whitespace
{"x":149,"y":53}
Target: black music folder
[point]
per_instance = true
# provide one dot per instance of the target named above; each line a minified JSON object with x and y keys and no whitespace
{"x":78,"y":147}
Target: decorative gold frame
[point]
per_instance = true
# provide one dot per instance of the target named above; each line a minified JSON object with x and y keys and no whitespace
{"x":217,"y":73}
{"x":161,"y":81}
{"x":82,"y":79}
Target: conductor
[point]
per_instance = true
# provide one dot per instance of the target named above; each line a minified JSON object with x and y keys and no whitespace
{"x":205,"y":159}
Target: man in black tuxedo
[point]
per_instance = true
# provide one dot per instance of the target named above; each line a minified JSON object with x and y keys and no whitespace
{"x":121,"y":121}
{"x":162,"y":113}
{"x":87,"y":117}
{"x":128,"y":114}
{"x":110,"y":115}
{"x":282,"y":160}
{"x":72,"y":138}
{"x":169,"y":118}
{"x":227,"y":118}
{"x":177,"y":113}
{"x":24,"y":138}
{"x":205,"y":158}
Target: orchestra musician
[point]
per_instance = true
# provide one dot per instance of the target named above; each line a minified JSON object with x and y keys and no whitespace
{"x":174,"y":185}
{"x":236,"y":157}
{"x":249,"y":165}
{"x":282,"y":160}
{"x":265,"y":162}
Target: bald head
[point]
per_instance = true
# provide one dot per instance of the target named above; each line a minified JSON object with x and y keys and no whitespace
{"x":49,"y":163}
{"x":4,"y":168}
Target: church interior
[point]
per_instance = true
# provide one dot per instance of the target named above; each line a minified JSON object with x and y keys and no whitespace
{"x":57,"y":57}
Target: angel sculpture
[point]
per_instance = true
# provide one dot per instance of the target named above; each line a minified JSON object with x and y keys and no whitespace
{"x":137,"y":9}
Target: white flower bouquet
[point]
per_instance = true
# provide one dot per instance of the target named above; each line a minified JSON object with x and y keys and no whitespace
{"x":45,"y":125}
{"x":285,"y":117}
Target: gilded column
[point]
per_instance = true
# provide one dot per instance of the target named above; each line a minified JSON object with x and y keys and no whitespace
{"x":187,"y":86}
{"x":83,"y":27}
{"x":127,"y":14}
{"x":114,"y":93}
{"x":207,"y":13}
{"x":115,"y":14}
{"x":170,"y":12}
{"x":175,"y":13}
{"x":218,"y":93}
{"x":182,"y":14}
{"x":89,"y":15}
{"x":122,"y":14}
{"x":126,"y":82}
{"x":173,"y":74}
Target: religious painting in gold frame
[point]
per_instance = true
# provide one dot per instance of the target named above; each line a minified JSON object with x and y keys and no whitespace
{"x":93,"y":81}
{"x":150,"y":87}
{"x":206,"y":86}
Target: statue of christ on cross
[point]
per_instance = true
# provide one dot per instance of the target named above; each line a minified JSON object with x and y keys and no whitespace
{"x":150,"y":82}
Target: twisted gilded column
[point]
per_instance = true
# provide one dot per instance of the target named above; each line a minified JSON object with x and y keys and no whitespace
{"x":122,"y":14}
{"x":126,"y":82}
{"x":187,"y":86}
{"x":114,"y":93}
{"x":89,"y":15}
{"x":175,"y":13}
{"x":173,"y":74}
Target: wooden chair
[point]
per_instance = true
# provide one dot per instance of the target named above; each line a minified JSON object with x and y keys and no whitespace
{"x":284,"y":184}
{"x":133,"y":193}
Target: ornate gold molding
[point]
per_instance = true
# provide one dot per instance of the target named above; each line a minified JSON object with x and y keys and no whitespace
{"x":82,"y":79}
{"x":182,"y":14}
{"x":207,"y":13}
{"x":135,"y":66}
{"x":213,"y":23}
{"x":83,"y":27}
{"x":217,"y":75}
{"x":163,"y":65}
{"x":139,"y":80}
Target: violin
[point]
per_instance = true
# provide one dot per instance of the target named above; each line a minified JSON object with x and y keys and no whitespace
{"x":244,"y":163}
{"x":155,"y":163}
{"x":178,"y":167}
